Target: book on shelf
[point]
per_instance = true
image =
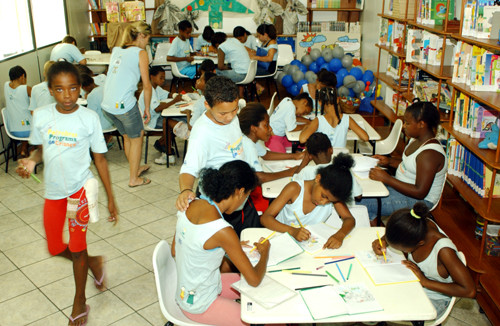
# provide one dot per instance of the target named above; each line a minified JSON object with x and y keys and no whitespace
{"x":478,"y":18}
{"x":414,"y":45}
{"x":433,"y":12}
{"x":399,"y":9}
{"x":131,"y":11}
{"x":472,"y":117}
{"x":427,"y":90}
{"x":384,"y":29}
{"x":113,"y":11}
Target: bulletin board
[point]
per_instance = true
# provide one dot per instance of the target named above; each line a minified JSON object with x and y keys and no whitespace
{"x":350,"y":42}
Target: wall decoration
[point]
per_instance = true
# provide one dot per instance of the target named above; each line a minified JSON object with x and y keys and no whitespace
{"x":293,"y":9}
{"x":268,"y":10}
{"x":216,"y":8}
{"x":168,"y":14}
{"x":350,"y":42}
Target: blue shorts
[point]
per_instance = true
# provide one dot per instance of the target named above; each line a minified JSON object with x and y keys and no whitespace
{"x":129,"y":123}
{"x":189,"y":71}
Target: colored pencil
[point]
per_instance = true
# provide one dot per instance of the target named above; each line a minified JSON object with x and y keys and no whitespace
{"x":311,"y":287}
{"x":35,"y":178}
{"x":334,"y":257}
{"x":337,"y":261}
{"x":338,"y":267}
{"x":298,"y":219}
{"x":349,"y":272}
{"x":308,"y":274}
{"x":264,"y":240}
{"x":284,"y":269}
{"x":327,"y":272}
{"x":320,"y":267}
{"x":383,"y":251}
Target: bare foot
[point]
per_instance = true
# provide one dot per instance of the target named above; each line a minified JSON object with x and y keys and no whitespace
{"x":140,"y":182}
{"x":142,"y":169}
{"x":79,"y":315}
{"x":96,"y":265}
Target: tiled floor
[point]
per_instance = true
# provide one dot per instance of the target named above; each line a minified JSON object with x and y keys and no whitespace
{"x":37,"y":289}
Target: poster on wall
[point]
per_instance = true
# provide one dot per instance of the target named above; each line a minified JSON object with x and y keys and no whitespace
{"x":216,"y":8}
{"x":350,"y":42}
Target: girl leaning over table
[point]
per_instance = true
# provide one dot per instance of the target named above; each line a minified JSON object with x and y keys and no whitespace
{"x":202,"y":239}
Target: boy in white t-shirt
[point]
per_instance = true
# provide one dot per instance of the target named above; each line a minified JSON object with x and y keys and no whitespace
{"x":231,"y":50}
{"x":181,"y":52}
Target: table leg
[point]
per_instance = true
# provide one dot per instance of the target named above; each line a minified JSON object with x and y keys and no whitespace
{"x":373,"y":142}
{"x":379,"y":211}
{"x":355,"y":146}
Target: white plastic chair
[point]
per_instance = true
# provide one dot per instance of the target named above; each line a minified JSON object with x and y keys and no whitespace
{"x":441,"y":194}
{"x":177,"y":77}
{"x":12,"y":144}
{"x":271,"y":77}
{"x":166,"y":282}
{"x":271,"y":105}
{"x":114,"y":132}
{"x":285,"y":55}
{"x":156,"y":132}
{"x":249,"y":79}
{"x":359,"y":212}
{"x":384,"y":146}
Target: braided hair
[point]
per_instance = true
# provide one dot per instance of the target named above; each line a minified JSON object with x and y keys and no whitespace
{"x":327,"y":96}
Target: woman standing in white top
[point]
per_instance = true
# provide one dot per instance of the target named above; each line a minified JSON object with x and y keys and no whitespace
{"x":129,"y":64}
{"x":202,"y":239}
{"x":421,"y":172}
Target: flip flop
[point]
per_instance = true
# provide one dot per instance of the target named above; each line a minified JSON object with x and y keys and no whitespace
{"x":100,"y":282}
{"x":145,"y":181}
{"x":83,"y":314}
{"x":146,"y":169}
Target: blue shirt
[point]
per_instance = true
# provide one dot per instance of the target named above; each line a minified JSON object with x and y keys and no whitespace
{"x":200,"y":41}
{"x":40,"y":96}
{"x":180,"y":49}
{"x":66,"y":51}
{"x":251,"y":42}
{"x":94,"y":100}
{"x":236,"y":54}
{"x":66,"y":140}
{"x":158,"y":95}
{"x":283,"y":118}
{"x":122,"y":79}
{"x":17,"y":104}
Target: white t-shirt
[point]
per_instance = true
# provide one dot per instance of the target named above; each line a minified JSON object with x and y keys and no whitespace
{"x":251,"y":154}
{"x":180,"y":49}
{"x":198,"y":109}
{"x":94,"y":100}
{"x":40,"y":96}
{"x":211,"y":145}
{"x":251,"y":42}
{"x":66,"y":51}
{"x":338,"y":134}
{"x":236,"y":54}
{"x":17,"y":104}
{"x":158,"y":94}
{"x":66,"y":140}
{"x":283,"y":118}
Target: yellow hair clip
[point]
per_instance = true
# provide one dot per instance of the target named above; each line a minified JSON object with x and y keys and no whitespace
{"x":412,"y":212}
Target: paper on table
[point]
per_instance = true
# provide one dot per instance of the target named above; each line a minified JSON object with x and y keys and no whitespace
{"x":268,"y":294}
{"x":277,"y":166}
{"x":283,"y":247}
{"x":319,"y":235}
{"x":381,"y":272}
{"x":363,"y":165}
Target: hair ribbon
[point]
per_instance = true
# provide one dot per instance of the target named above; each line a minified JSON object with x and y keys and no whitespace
{"x":412,"y":212}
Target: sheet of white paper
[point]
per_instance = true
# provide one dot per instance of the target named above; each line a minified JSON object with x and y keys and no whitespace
{"x":283,"y":247}
{"x":268,"y":294}
{"x":385,"y":272}
{"x":323,"y":302}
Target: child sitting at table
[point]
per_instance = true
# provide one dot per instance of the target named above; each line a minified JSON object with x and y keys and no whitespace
{"x":332,"y":122}
{"x":180,"y":50}
{"x":432,"y":256}
{"x":199,"y":105}
{"x":311,"y":201}
{"x":232,"y":51}
{"x":207,"y":65}
{"x":40,"y":94}
{"x":246,"y":38}
{"x":178,"y":125}
{"x":17,"y":102}
{"x":320,"y":151}
{"x":205,"y":39}
{"x":202,"y":239}
{"x":284,"y":118}
{"x":325,"y":79}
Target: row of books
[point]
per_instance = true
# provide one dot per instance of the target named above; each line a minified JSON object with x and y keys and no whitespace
{"x":464,"y":164}
{"x":479,"y":16}
{"x":392,"y":34}
{"x":427,"y":90}
{"x":98,"y":4}
{"x":334,"y":4}
{"x":427,"y":48}
{"x":99,"y":28}
{"x":128,"y":11}
{"x":395,"y":101}
{"x":476,"y":67}
{"x":473,"y":118}
{"x":433,"y":12}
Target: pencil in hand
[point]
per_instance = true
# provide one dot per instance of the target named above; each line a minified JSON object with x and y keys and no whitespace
{"x":298,"y":219}
{"x":269,"y":236}
{"x":382,"y":247}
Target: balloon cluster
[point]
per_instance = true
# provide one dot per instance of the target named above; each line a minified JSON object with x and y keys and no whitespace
{"x":351,"y":81}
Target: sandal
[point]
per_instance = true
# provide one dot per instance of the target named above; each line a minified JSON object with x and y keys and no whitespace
{"x":145,"y":181}
{"x":83,"y":314}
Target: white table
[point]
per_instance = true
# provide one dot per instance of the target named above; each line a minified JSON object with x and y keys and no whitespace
{"x":406,"y":301}
{"x":172,"y":112}
{"x":373,"y":135}
{"x":98,"y":59}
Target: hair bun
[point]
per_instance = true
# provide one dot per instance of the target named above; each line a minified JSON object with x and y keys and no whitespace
{"x":421,"y":209}
{"x":343,"y":161}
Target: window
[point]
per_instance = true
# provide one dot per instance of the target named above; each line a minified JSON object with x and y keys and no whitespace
{"x":49,"y":21}
{"x":16,"y":26}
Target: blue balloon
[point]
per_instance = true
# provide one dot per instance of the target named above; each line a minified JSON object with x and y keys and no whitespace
{"x":314,"y":67}
{"x":303,"y":68}
{"x":357,"y":73}
{"x":340,"y":76}
{"x":351,"y":93}
{"x":320,"y":61}
{"x":287,"y":81}
{"x":294,"y":90}
{"x":335,"y":65}
{"x":368,"y":77}
{"x":302,"y":83}
{"x":324,"y":66}
{"x":296,"y":62}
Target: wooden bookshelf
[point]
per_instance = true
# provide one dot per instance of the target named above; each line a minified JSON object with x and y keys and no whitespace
{"x":492,"y":99}
{"x":436,"y":29}
{"x":481,"y":42}
{"x":386,"y":16}
{"x":336,"y":9}
{"x":435,"y":71}
{"x":386,"y":111}
{"x":390,"y":81}
{"x":400,"y":54}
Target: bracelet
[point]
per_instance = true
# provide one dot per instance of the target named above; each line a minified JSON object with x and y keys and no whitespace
{"x":187,"y":189}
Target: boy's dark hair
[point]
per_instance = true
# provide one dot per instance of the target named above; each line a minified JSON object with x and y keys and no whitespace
{"x":69,"y":39}
{"x":86,"y":80}
{"x":207,"y":65}
{"x":218,"y":39}
{"x":327,"y":96}
{"x":222,"y":183}
{"x":304,"y":96}
{"x":61,"y":67}
{"x":220,"y":89}
{"x":208,"y":33}
{"x":337,"y":177}
{"x":155,"y":70}
{"x":318,"y":143}
{"x":208,"y":75}
{"x":426,"y":112}
{"x":407,"y":229}
{"x":16,"y":72}
{"x":327,"y":78}
{"x":251,"y":115}
{"x":240,"y":31}
{"x":83,"y":69}
{"x":267,"y":28}
{"x":184,"y":24}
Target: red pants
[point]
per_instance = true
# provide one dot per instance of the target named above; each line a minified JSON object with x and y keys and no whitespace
{"x":54,"y":215}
